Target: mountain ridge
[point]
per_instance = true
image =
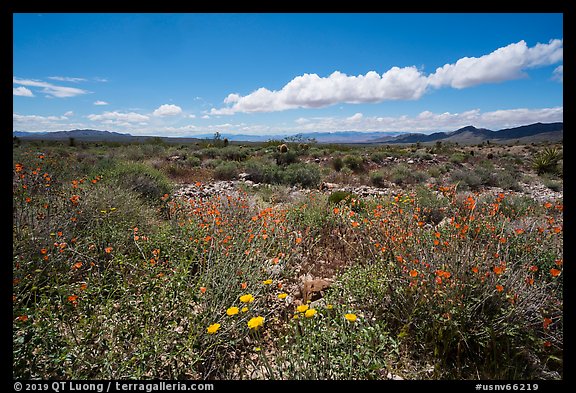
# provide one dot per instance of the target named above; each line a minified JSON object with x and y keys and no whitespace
{"x":465,"y":135}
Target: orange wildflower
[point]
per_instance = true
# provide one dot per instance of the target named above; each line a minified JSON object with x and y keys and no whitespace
{"x":555,"y":272}
{"x":73,"y":299}
{"x":413,"y":273}
{"x":499,"y":288}
{"x":547,"y":322}
{"x":498,"y":269}
{"x":203,"y":289}
{"x":108,"y":250}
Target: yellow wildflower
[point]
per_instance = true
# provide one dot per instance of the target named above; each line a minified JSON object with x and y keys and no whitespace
{"x":213,"y":328}
{"x":232,"y":311}
{"x":247,"y":298}
{"x":256,"y":322}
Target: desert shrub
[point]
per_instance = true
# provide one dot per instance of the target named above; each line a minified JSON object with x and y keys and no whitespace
{"x":354,"y":162}
{"x":377,"y":178}
{"x":458,"y":158}
{"x":402,"y":174}
{"x":466,"y":179}
{"x":286,"y":158}
{"x":226,"y":171}
{"x":337,"y":163}
{"x":552,"y":183}
{"x":234,"y":153}
{"x":263,"y":171}
{"x":305,"y":175}
{"x":148,"y":182}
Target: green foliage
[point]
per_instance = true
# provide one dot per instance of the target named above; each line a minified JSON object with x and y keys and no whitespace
{"x":226,"y":171}
{"x":114,"y":280}
{"x":304,"y":175}
{"x":353,"y":162}
{"x":148,"y":182}
{"x":547,"y":160}
{"x":402,"y":174}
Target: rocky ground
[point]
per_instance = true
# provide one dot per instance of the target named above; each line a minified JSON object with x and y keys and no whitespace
{"x":534,"y":190}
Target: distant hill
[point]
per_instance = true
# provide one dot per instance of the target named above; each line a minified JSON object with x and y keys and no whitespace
{"x":472,"y":135}
{"x":93,"y":135}
{"x":537,"y":132}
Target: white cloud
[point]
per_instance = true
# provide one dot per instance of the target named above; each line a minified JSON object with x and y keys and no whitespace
{"x":119,"y":118}
{"x":69,"y":114}
{"x":50,"y":89}
{"x":503,"y":64}
{"x":355,"y":117}
{"x":67,"y":79}
{"x":407,"y":83}
{"x":428,"y":121}
{"x":313,"y":91}
{"x":558,"y":74}
{"x":100,"y":102}
{"x":22,"y":92}
{"x":191,"y":116}
{"x":42,"y":123}
{"x":167,"y":110}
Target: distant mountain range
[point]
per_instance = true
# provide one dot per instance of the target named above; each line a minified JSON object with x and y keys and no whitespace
{"x":536,"y":132}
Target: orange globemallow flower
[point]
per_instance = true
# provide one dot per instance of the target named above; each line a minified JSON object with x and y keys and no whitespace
{"x":413,"y":273}
{"x":108,"y":250}
{"x":298,"y":240}
{"x":498,"y":269}
{"x":555,"y":272}
{"x":547,"y":322}
{"x":499,"y":288}
{"x":203,"y":289}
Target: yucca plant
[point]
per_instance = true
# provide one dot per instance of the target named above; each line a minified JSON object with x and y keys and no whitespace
{"x":547,"y":160}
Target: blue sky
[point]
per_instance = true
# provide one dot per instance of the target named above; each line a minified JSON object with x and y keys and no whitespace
{"x":190,"y":74}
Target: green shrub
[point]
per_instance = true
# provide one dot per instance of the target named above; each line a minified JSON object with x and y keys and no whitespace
{"x":227,"y":170}
{"x":148,"y":182}
{"x":402,"y":174}
{"x":337,"y":163}
{"x":353,"y":162}
{"x":466,"y":179}
{"x":377,"y":178}
{"x":305,"y":175}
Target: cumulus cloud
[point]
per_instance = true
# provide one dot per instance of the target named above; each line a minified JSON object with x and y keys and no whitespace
{"x":50,"y":89}
{"x":313,"y":91}
{"x":167,"y":110}
{"x":22,"y":92}
{"x":407,"y":83}
{"x":100,"y":102}
{"x":503,"y":64}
